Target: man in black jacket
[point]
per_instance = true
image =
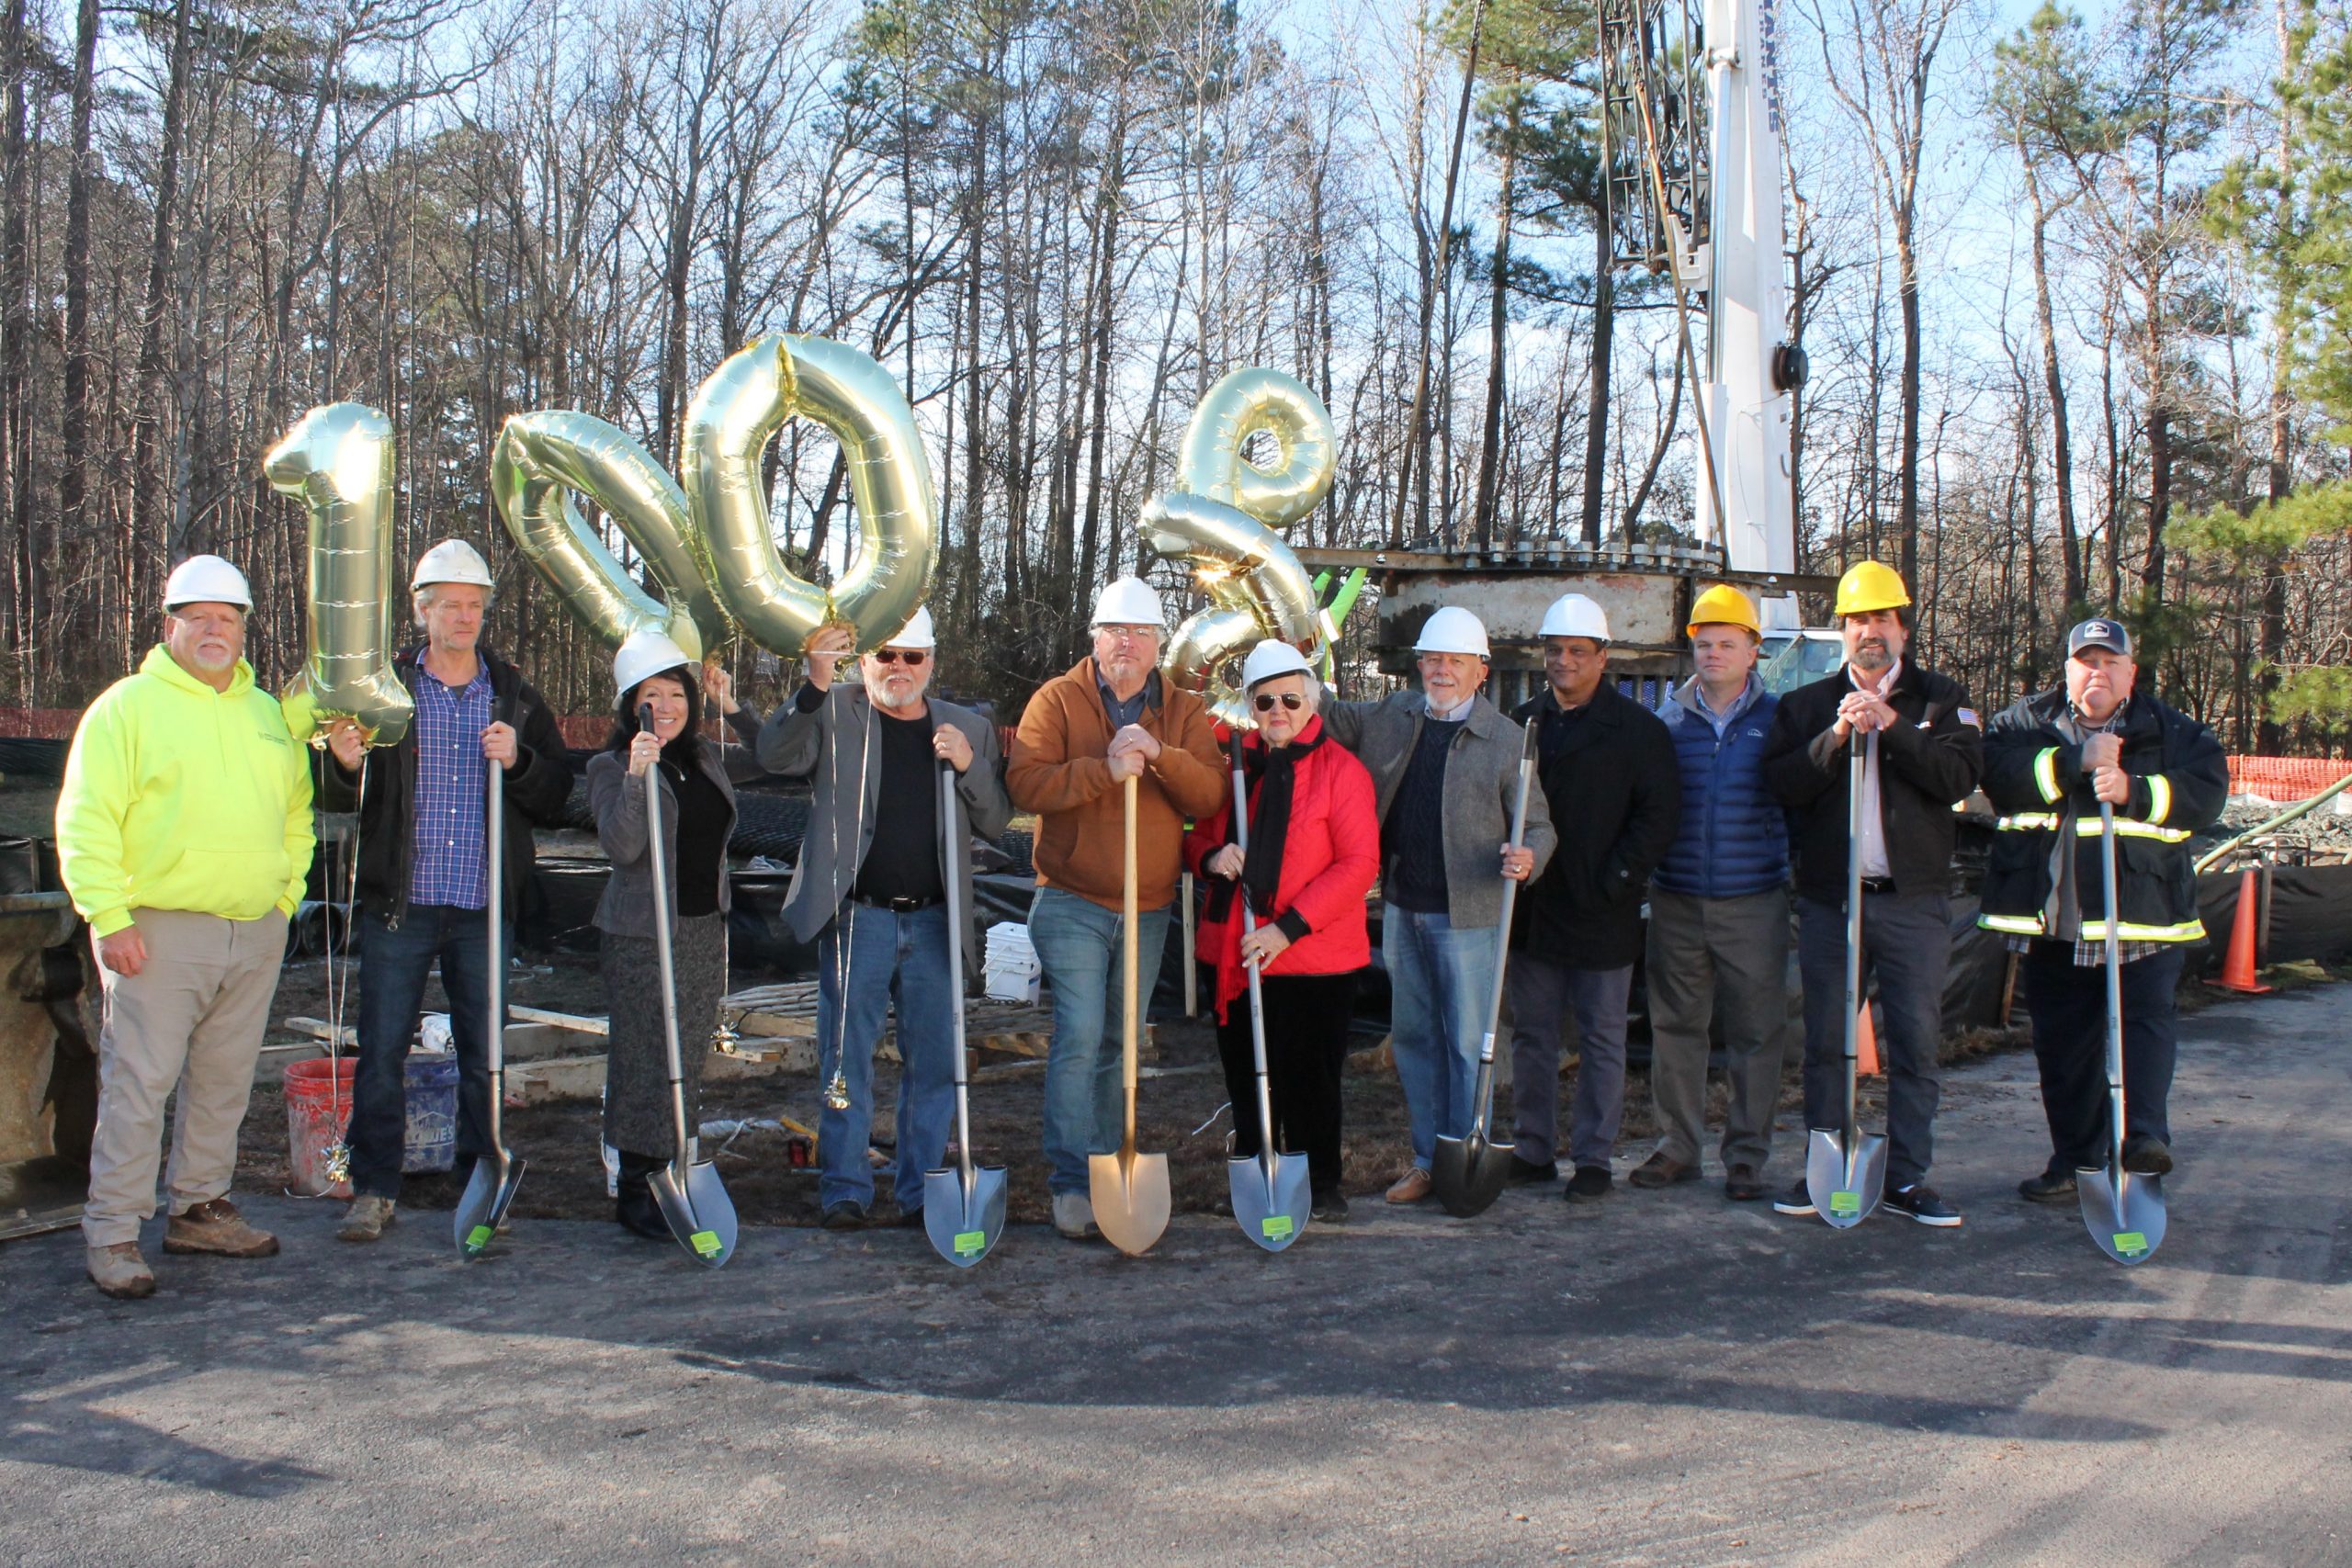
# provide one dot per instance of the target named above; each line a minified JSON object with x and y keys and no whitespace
{"x":422,"y":875}
{"x":1928,"y":756}
{"x":1614,"y":790}
{"x":2048,"y":761}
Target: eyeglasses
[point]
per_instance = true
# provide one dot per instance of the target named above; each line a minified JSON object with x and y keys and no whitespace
{"x":913,"y":656}
{"x":1290,"y":700}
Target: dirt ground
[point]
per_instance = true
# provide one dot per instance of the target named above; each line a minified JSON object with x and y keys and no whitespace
{"x":1178,"y":1112}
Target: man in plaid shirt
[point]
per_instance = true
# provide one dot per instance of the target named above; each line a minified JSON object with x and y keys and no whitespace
{"x":2050,"y":760}
{"x":423,"y":875}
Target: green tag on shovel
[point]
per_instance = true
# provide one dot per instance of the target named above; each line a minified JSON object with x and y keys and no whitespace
{"x":1275,"y":1226}
{"x":704,"y":1242}
{"x":1845,"y":1204}
{"x":967,"y":1243}
{"x":2132,"y":1242}
{"x":479,"y":1238}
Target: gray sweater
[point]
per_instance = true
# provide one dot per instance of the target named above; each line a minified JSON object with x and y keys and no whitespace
{"x":617,"y":802}
{"x":1481,"y":785}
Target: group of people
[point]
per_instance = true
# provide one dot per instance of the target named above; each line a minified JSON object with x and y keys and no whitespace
{"x":185,"y":837}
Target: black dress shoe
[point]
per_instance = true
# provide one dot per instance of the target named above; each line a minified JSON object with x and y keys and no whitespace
{"x":1329,"y":1208}
{"x":634,"y":1207}
{"x":2049,"y":1186}
{"x":845,"y":1215}
{"x":1526,"y":1172}
{"x":1743,"y":1184}
{"x":911,"y":1217}
{"x":2144,"y":1154}
{"x":1591,"y":1184}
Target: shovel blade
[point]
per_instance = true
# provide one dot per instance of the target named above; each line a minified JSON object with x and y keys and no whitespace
{"x":1131,"y":1199}
{"x":1844,"y":1192}
{"x":962,"y":1226}
{"x":483,"y":1205}
{"x":2124,"y":1214}
{"x":1469,"y":1173}
{"x":1271,"y":1210}
{"x":700,"y":1214}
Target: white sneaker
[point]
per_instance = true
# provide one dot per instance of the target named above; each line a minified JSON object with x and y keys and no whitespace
{"x":1074,"y":1215}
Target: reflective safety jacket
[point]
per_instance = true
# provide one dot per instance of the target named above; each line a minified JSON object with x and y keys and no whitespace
{"x":177,"y":796}
{"x":2034,"y":777}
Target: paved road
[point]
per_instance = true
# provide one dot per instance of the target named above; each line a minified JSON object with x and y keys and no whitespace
{"x":1673,"y":1380}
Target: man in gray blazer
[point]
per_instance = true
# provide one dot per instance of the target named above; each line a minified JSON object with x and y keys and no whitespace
{"x":872,"y":880}
{"x":1444,"y":763}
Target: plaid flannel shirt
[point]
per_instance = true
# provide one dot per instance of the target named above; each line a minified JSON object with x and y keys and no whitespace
{"x":449,"y":867}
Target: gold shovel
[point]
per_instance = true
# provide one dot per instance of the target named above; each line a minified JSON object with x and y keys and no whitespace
{"x":1130,"y":1190}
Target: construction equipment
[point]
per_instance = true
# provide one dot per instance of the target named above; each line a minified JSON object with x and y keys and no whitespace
{"x":962,"y":1209}
{"x":490,"y":1190}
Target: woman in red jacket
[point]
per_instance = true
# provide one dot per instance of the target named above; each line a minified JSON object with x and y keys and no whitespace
{"x":1314,"y":853}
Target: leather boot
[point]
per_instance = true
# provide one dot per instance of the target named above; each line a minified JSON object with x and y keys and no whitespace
{"x":633,"y":1203}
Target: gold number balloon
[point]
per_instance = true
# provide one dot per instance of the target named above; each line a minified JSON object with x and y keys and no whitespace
{"x":337,"y":461}
{"x":542,"y":461}
{"x":734,"y":416}
{"x":705,"y":535}
{"x":1222,"y":519}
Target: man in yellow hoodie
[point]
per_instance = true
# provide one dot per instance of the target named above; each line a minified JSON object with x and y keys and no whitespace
{"x":183,"y":835}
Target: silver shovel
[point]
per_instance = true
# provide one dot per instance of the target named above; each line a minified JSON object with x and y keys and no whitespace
{"x":691,"y":1196}
{"x":962,"y":1209}
{"x":2125,"y":1213}
{"x":1270,"y":1195}
{"x":1845,"y":1171}
{"x":1468,"y":1172}
{"x":497,"y":1173}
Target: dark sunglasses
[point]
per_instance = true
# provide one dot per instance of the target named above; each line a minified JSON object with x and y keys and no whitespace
{"x":913,"y":656}
{"x":1290,"y":700}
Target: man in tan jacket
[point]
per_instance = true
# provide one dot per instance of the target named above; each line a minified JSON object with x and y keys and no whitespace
{"x":1084,"y":734}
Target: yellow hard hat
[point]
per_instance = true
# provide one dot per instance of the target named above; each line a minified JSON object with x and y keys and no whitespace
{"x":1722,"y":605}
{"x":1872,"y":585}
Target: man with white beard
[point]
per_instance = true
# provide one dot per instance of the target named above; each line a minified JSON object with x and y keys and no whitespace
{"x":871,"y":891}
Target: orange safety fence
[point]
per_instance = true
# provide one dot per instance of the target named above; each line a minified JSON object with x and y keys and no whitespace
{"x":2285,"y":779}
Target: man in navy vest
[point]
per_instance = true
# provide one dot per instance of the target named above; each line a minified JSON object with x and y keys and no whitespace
{"x":1719,"y":910}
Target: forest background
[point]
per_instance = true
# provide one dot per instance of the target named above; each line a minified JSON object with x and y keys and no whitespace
{"x":2073,"y":286}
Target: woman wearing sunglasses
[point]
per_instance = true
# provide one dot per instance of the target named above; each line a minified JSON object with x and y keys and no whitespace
{"x":1314,"y":851}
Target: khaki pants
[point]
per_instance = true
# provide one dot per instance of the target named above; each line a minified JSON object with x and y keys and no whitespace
{"x":191,"y":1019}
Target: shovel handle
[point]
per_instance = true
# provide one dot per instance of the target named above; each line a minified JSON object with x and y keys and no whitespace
{"x":495,"y":879}
{"x":1129,"y":1021}
{"x":659,"y":871}
{"x":950,"y":825}
{"x":1510,"y":891}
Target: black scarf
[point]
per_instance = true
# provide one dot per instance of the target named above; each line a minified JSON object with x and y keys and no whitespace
{"x":1271,"y":774}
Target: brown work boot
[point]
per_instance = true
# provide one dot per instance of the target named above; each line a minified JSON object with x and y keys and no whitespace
{"x":365,"y":1219}
{"x":1662,"y":1170}
{"x":217,"y":1227}
{"x":120,"y":1272}
{"x":1411,"y":1187}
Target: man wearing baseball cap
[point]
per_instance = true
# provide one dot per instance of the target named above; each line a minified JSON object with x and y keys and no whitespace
{"x":2050,"y":760}
{"x":423,"y":879}
{"x":184,"y":836}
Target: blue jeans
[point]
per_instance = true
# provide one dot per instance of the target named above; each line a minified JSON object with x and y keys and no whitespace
{"x":871,"y":956}
{"x":1437,"y":983}
{"x":1906,"y":942}
{"x":1078,"y":944}
{"x":393,"y":963}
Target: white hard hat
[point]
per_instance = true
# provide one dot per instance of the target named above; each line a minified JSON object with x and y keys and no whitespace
{"x":1130,"y":601}
{"x":1573,"y":614}
{"x":451,"y":561}
{"x":645,"y":653}
{"x":1269,"y":659}
{"x":206,"y":579}
{"x":1452,"y":629}
{"x":916,"y":633}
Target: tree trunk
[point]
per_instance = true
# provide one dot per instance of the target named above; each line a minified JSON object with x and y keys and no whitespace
{"x":1596,"y":413}
{"x":73,"y":481}
{"x":1497,"y":330}
{"x":2054,"y":387}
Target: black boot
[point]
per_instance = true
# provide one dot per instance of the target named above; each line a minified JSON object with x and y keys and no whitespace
{"x":633,"y":1204}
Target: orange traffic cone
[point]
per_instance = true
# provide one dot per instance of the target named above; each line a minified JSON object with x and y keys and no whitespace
{"x":2237,"y":967}
{"x":1865,"y":1045}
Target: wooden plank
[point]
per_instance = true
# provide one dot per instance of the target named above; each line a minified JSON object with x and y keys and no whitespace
{"x":584,"y":1022}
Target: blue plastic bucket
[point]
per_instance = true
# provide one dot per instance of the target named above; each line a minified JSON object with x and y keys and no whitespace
{"x":431,"y":1081}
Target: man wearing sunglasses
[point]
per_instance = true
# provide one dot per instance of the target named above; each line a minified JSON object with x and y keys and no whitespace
{"x":1109,"y":718}
{"x":871,"y":890}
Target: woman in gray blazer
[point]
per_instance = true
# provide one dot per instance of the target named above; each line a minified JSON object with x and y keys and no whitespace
{"x":697,"y":816}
